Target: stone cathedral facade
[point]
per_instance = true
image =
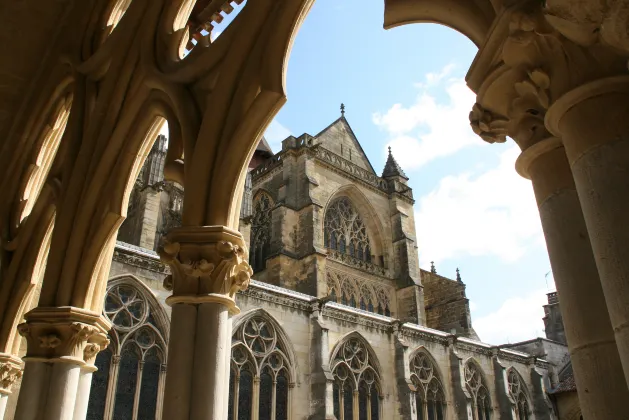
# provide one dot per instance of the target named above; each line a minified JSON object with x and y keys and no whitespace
{"x":340,"y":321}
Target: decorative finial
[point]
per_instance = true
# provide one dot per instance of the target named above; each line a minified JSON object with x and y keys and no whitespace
{"x":342,"y":109}
{"x":433,"y":270}
{"x":389,"y":150}
{"x":458,"y":275}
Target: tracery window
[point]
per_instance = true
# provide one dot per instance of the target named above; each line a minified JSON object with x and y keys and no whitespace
{"x":475,"y":383}
{"x":518,"y":394}
{"x":429,"y":396}
{"x":356,"y":292}
{"x":260,"y":372}
{"x":345,"y":231}
{"x":357,"y":382}
{"x":260,"y":232}
{"x":130,"y":374}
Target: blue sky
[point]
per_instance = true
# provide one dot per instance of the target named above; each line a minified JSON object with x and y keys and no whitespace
{"x":405,"y":87}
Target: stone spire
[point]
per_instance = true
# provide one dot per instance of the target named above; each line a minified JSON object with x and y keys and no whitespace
{"x":391,"y":168}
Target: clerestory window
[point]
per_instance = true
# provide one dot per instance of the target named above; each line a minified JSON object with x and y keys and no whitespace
{"x":345,"y":231}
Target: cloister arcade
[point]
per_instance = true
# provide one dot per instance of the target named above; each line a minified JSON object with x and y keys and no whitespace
{"x":95,"y":81}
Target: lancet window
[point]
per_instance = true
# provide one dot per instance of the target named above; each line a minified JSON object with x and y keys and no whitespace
{"x":518,"y":394}
{"x":475,"y":383}
{"x":429,"y":396}
{"x":261,"y":372}
{"x":260,"y":232}
{"x":345,"y":231}
{"x":358,"y":293}
{"x":129,"y":382}
{"x":357,"y":382}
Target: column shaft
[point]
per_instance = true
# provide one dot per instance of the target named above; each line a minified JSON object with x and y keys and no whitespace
{"x":33,"y":390}
{"x":593,"y":120}
{"x":83,"y":395}
{"x":180,"y":362}
{"x":3,"y":404}
{"x":595,"y":360}
{"x":64,"y":384}
{"x":212,"y":351}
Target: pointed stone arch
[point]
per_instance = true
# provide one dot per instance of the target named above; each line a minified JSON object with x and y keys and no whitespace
{"x":430,"y":391}
{"x":367,"y":213}
{"x":337,"y":359}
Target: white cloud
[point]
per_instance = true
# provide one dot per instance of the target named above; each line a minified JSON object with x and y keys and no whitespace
{"x":275,"y":133}
{"x":518,"y":319}
{"x":431,"y":128}
{"x":488,"y":214}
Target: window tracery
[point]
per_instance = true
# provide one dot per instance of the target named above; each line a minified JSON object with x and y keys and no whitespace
{"x":429,"y":396}
{"x":260,"y":371}
{"x":356,"y":292}
{"x":260,"y":232}
{"x":356,"y":382}
{"x":518,"y":394}
{"x":130,"y":376}
{"x":345,"y":231}
{"x":475,"y":383}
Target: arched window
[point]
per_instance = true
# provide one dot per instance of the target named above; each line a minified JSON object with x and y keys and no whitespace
{"x":356,"y":381}
{"x":260,"y":232}
{"x":130,"y":372}
{"x":260,"y":371}
{"x":429,"y":397}
{"x":345,"y":231}
{"x":357,"y":292}
{"x":475,"y":383}
{"x":517,"y":391}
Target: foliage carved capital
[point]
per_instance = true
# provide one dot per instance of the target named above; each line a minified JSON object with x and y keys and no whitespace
{"x":208,"y":263}
{"x":10,"y":372}
{"x":64,"y":334}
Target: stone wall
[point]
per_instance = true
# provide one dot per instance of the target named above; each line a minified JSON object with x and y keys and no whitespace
{"x":447,"y":306}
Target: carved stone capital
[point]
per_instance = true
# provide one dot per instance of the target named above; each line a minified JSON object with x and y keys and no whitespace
{"x":588,"y":22}
{"x":64,"y":334}
{"x":10,"y":371}
{"x":208,"y":264}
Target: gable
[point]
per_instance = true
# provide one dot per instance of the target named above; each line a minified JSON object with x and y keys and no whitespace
{"x":339,"y":138}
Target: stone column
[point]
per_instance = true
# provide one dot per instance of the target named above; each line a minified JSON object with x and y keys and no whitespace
{"x":593,"y":352}
{"x":209,"y":265}
{"x":593,"y":121}
{"x":60,"y":341}
{"x":10,"y":371}
{"x":83,"y":394}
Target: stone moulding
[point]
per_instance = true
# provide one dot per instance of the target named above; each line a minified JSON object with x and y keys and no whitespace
{"x":141,"y":258}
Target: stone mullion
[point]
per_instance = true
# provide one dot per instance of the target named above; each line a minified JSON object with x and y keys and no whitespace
{"x":369,"y":405}
{"x":160,"y":391}
{"x":290,"y":403}
{"x":138,"y":389}
{"x":356,"y":405}
{"x":110,"y":399}
{"x":234,"y":407}
{"x":342,"y":401}
{"x":255,"y":401}
{"x":274,"y":400}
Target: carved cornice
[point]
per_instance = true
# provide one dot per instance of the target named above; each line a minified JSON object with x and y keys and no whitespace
{"x":64,"y":334}
{"x":10,"y":371}
{"x":134,"y":258}
{"x":209,"y":264}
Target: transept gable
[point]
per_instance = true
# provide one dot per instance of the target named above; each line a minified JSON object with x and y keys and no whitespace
{"x":340,"y":139}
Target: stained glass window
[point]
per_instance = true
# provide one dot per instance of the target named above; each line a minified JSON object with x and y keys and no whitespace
{"x":260,"y":232}
{"x":100,"y":379}
{"x":131,"y":310}
{"x":517,"y":391}
{"x":475,"y":384}
{"x":429,"y":396}
{"x":343,"y":222}
{"x":149,"y":388}
{"x":353,"y":364}
{"x":337,"y":400}
{"x":266,"y":395}
{"x":127,"y":383}
{"x":259,"y":351}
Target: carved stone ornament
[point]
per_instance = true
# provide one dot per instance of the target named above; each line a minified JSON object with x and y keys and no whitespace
{"x":590,"y":22}
{"x":208,"y":264}
{"x":10,"y":372}
{"x":528,"y":109}
{"x":64,"y":334}
{"x":489,"y":127}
